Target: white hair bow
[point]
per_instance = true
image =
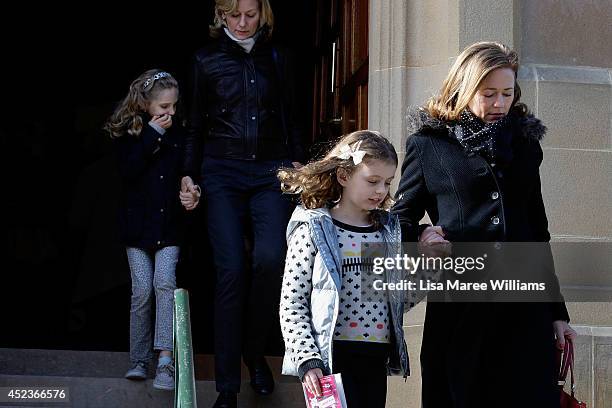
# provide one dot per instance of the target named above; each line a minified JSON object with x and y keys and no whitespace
{"x":353,"y":151}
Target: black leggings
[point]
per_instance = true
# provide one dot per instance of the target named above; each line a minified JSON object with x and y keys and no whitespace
{"x":363,"y":367}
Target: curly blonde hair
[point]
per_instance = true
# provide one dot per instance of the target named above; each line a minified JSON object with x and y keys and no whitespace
{"x":127,"y":116}
{"x":317,"y":184}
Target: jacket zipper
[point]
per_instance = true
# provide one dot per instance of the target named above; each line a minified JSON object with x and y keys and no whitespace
{"x":255,"y":141}
{"x":333,"y":330}
{"x":246,"y":116}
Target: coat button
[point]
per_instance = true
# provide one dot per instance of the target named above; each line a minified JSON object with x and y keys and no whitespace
{"x":252,"y":81}
{"x":495,"y":195}
{"x":161,"y":210}
{"x":252,"y":117}
{"x":161,"y":177}
{"x":158,"y":242}
{"x":223,"y":110}
{"x":497,"y":245}
{"x":159,"y":139}
{"x":495,"y":220}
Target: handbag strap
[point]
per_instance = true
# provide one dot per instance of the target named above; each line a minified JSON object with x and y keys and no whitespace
{"x":567,"y":364}
{"x":564,"y":362}
{"x":571,"y":366}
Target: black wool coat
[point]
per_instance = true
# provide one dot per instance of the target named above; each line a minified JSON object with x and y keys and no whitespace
{"x":150,"y":211}
{"x":480,"y":354}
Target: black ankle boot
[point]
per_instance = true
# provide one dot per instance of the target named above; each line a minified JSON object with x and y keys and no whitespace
{"x":226,"y":399}
{"x":262,"y":381}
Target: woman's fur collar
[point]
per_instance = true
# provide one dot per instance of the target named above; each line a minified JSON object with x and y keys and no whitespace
{"x":418,"y":120}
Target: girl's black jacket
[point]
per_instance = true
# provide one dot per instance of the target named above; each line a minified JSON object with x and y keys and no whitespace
{"x":150,"y":212}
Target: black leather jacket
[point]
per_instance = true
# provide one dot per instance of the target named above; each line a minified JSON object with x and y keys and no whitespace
{"x":236,"y":102}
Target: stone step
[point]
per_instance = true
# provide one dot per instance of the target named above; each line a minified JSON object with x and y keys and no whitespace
{"x":95,"y":379}
{"x":103,"y":392}
{"x":73,"y":363}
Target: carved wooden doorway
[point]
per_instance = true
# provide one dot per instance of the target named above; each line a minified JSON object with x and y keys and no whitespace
{"x":341,"y":68}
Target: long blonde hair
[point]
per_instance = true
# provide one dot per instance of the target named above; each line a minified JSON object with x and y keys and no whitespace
{"x":127,"y":116}
{"x":266,"y":16}
{"x":317,"y":184}
{"x":465,"y":76}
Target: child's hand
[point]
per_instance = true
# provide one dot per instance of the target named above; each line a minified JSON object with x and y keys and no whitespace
{"x":432,"y":242}
{"x":432,"y":235}
{"x":190,"y":199}
{"x":189,"y":194}
{"x":164,"y":121}
{"x":311,"y":379}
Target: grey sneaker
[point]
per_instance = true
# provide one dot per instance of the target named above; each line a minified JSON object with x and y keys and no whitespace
{"x":164,"y":377}
{"x":137,"y":372}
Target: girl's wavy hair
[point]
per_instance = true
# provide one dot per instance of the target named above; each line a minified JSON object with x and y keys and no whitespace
{"x":466,"y":74}
{"x":127,"y":116}
{"x":317,"y":184}
{"x":266,"y":16}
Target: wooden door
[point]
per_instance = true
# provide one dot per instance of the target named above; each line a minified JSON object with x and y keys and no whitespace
{"x":341,"y":68}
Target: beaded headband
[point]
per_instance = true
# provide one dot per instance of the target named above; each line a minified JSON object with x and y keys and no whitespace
{"x":154,"y":78}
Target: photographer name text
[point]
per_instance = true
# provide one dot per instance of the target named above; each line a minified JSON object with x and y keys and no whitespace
{"x":505,"y":285}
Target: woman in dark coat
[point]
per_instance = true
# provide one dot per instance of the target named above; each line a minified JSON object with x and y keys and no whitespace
{"x":241,"y":128}
{"x":472,"y":163}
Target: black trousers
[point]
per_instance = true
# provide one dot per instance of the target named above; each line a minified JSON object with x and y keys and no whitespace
{"x":363,"y":367}
{"x":239,"y":192}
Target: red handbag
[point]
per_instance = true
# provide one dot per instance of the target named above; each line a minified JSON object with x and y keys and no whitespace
{"x":566,"y":362}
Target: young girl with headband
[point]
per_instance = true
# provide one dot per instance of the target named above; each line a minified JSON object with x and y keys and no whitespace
{"x":149,"y":144}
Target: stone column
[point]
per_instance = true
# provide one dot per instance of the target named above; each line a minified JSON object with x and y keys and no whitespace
{"x":411,"y":42}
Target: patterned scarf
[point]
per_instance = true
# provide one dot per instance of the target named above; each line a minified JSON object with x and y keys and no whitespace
{"x":479,"y":137}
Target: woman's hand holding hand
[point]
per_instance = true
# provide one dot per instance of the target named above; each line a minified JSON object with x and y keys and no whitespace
{"x":189,"y":194}
{"x":311,"y":379}
{"x":432,"y":242}
{"x":563,"y":331}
